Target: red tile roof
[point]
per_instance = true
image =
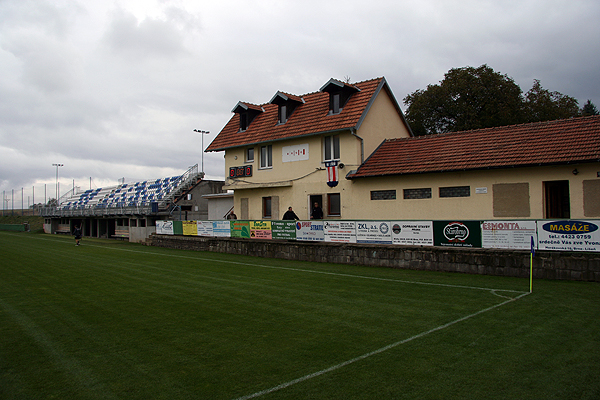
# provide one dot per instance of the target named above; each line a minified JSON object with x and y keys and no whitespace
{"x":543,"y":143}
{"x":309,"y":118}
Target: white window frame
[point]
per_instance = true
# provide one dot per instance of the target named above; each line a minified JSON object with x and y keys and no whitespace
{"x":329,"y":146}
{"x":266,"y":157}
{"x":248,"y":159}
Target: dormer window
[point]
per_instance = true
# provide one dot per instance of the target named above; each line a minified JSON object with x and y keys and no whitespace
{"x":247,"y":113}
{"x":286,"y":103}
{"x":339,"y":94}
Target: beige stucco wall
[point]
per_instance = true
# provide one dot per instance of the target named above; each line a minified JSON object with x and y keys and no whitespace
{"x":476,"y":206}
{"x":382,"y":122}
{"x":357,"y":204}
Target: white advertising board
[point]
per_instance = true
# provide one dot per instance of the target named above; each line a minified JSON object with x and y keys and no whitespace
{"x":222,"y":228}
{"x":374,"y":232}
{"x":508,"y":234}
{"x":309,"y":230}
{"x":412,"y":233}
{"x":164,"y":227}
{"x":339,"y":231}
{"x":205,"y":228}
{"x":297,"y":152}
{"x":568,"y":235}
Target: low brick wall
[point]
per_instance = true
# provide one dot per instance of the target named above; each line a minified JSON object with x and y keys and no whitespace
{"x":546,"y":265}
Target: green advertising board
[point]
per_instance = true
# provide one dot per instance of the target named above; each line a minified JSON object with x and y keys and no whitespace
{"x":177,"y":228}
{"x":283,"y":230}
{"x":457,"y":233}
{"x":240,"y":229}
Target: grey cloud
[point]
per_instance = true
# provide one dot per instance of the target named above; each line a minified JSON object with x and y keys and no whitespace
{"x":150,"y":37}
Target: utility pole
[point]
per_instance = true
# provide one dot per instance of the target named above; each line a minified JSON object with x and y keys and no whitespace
{"x":57,"y":189}
{"x":202,"y":133}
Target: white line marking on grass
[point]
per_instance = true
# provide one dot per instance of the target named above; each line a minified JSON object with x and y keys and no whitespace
{"x":492,"y":290}
{"x":375,"y":352}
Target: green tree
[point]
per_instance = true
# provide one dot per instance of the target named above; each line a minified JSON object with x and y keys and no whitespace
{"x":467,"y":98}
{"x":589,"y":109}
{"x":543,"y":105}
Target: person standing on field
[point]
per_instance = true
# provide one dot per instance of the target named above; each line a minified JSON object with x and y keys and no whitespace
{"x":77,"y":234}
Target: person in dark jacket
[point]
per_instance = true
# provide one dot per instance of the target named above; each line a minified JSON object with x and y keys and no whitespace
{"x":290,"y":214}
{"x":317,"y":212}
{"x":77,"y":234}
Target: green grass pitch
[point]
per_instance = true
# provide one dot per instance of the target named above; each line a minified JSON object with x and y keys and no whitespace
{"x":114,"y":320}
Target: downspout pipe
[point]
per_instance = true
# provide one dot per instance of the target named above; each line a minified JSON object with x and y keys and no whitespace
{"x":362,"y":145}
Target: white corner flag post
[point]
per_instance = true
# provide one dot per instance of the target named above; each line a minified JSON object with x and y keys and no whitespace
{"x":531,"y":265}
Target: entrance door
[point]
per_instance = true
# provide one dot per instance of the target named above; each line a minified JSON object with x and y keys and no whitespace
{"x":314,"y":198}
{"x":557,"y":199}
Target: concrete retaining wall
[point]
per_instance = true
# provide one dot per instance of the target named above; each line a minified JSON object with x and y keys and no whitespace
{"x":546,"y":265}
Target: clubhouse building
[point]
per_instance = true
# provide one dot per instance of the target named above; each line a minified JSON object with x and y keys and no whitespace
{"x":348,"y":148}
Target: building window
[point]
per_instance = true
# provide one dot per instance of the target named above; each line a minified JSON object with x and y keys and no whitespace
{"x":250,"y":154}
{"x":282,"y":114}
{"x":332,"y":147}
{"x":243,"y":122}
{"x":334,"y":207}
{"x":267,"y":207}
{"x":266,"y":156}
{"x":383,"y":195}
{"x":424,"y":193}
{"x":335,"y":103}
{"x":455,"y":191}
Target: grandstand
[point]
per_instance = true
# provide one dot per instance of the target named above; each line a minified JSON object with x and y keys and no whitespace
{"x":113,"y":211}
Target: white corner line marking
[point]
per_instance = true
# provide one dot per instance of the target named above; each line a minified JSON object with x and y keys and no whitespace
{"x":375,"y":352}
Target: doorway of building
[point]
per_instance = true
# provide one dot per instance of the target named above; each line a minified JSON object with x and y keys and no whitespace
{"x":557,"y":201}
{"x":314,"y":198}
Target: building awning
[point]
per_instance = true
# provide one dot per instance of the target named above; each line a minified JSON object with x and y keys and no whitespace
{"x":236,"y":185}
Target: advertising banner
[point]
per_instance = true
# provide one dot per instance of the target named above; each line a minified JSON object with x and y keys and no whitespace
{"x":309,"y":230}
{"x":508,"y":234}
{"x":190,"y":228}
{"x":260,"y":230}
{"x":412,"y":233}
{"x":222,"y":228}
{"x":240,"y":229}
{"x":568,"y":235}
{"x":339,"y":231}
{"x":164,"y":227}
{"x":373,"y":232}
{"x":205,"y":228}
{"x":457,"y":233}
{"x":297,"y":152}
{"x":283,"y":230}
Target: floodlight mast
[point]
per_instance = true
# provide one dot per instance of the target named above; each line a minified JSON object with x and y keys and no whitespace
{"x":57,"y":188}
{"x":202,"y":133}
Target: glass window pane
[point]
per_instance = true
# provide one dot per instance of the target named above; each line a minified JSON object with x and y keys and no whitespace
{"x":333,"y":201}
{"x":336,"y":147}
{"x":327,"y":147}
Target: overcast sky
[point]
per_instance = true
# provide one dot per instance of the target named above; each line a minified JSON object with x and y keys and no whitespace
{"x":114,"y":88}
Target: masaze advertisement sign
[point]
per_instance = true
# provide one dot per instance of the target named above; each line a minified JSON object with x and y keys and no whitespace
{"x":568,"y":235}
